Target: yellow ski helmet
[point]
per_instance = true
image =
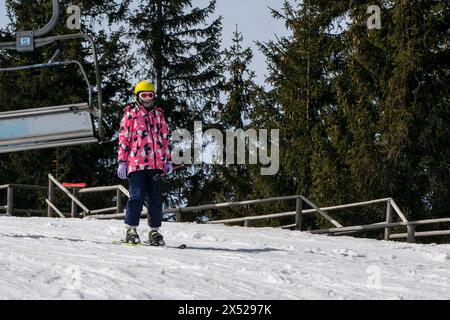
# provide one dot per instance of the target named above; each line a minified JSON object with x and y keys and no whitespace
{"x":144,"y":86}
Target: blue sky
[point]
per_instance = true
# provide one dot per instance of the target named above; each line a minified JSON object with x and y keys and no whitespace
{"x":252,"y":16}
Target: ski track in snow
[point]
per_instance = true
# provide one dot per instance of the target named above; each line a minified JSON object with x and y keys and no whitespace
{"x":44,"y":258}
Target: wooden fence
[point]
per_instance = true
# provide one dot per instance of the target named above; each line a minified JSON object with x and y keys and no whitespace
{"x":73,"y":195}
{"x":9,"y":208}
{"x":338,"y":229}
{"x":300,"y":211}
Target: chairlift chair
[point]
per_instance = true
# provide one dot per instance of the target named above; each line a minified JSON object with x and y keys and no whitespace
{"x":54,"y":126}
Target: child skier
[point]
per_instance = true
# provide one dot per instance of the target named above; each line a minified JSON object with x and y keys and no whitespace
{"x":143,"y":156}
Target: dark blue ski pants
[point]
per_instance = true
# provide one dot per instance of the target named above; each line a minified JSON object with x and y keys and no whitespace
{"x":144,"y":184}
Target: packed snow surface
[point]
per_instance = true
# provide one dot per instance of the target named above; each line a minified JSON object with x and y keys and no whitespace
{"x":44,"y":258}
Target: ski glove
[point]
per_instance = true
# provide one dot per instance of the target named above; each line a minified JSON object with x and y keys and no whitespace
{"x":168,"y":168}
{"x":122,"y":170}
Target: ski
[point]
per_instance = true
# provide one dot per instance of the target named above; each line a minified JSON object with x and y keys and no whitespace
{"x":146,"y":244}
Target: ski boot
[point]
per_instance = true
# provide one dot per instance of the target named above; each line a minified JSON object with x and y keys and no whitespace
{"x":156,"y":239}
{"x":132,"y":236}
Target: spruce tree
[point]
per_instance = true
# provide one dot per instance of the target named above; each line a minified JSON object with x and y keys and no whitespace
{"x":240,"y":87}
{"x":234,"y":182}
{"x":300,"y":74}
{"x":416,"y":113}
{"x":356,"y":132}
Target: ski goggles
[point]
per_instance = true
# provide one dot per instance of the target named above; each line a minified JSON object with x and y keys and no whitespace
{"x":146,"y":95}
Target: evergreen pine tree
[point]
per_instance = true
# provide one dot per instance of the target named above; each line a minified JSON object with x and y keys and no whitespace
{"x":300,"y":73}
{"x":416,"y":114}
{"x":234,"y":182}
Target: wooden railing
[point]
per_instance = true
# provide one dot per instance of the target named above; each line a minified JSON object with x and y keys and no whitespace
{"x":300,"y":200}
{"x":52,"y":182}
{"x":9,"y":208}
{"x":337,"y":230}
{"x":55,"y":186}
{"x":120,"y":190}
{"x":299,"y":212}
{"x":410,"y":235}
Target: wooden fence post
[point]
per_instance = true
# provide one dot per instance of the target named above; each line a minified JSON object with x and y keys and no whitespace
{"x":73,"y":211}
{"x":387,"y":230}
{"x":50,"y":198}
{"x":10,"y":201}
{"x":119,"y":201}
{"x":298,"y":213}
{"x":411,"y":233}
{"x":68,"y":193}
{"x":247,"y":223}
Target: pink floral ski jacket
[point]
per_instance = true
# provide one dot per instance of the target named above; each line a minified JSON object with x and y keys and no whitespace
{"x":143,"y":139}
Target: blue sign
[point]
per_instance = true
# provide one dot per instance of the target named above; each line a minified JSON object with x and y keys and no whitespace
{"x":25,"y":41}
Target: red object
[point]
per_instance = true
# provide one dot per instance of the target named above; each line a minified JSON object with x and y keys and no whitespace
{"x":74,"y":185}
{"x":147,"y":95}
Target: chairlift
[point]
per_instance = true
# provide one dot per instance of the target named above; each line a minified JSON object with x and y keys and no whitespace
{"x":53,"y":126}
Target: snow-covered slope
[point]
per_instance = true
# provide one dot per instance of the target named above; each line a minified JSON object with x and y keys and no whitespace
{"x":75,"y":259}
